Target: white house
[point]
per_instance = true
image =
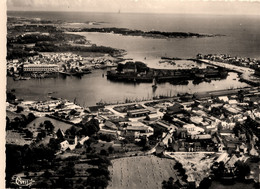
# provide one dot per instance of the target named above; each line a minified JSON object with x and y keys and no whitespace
{"x":193,"y":130}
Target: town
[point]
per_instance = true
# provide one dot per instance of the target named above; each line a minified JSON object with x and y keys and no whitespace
{"x":218,"y":130}
{"x":46,"y":65}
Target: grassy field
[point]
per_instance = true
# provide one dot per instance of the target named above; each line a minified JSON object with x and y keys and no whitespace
{"x":57,"y":124}
{"x":140,"y":172}
{"x":13,"y":137}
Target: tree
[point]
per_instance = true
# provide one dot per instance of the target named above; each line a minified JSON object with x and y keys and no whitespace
{"x":47,"y":174}
{"x":68,"y":170}
{"x":28,"y":133}
{"x":111,"y":149}
{"x":8,"y":126}
{"x":185,"y":177}
{"x":90,"y":128}
{"x":242,"y":169}
{"x":103,"y":152}
{"x":19,"y":109}
{"x":49,"y":126}
{"x":170,"y":184}
{"x":10,"y":97}
{"x":54,"y":144}
{"x":178,"y":165}
{"x":182,"y":171}
{"x":31,"y":117}
{"x":41,"y":135}
{"x":205,"y":183}
{"x":71,"y":131}
{"x":96,"y":182}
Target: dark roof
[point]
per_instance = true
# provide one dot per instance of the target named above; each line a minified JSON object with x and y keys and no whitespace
{"x":136,"y":128}
{"x":175,"y":108}
{"x":96,"y":108}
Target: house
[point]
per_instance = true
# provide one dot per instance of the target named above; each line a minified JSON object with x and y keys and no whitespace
{"x":138,"y":113}
{"x":142,"y":130}
{"x":223,"y":98}
{"x":231,"y":147}
{"x":83,"y":140}
{"x":181,"y":133}
{"x":60,"y":134}
{"x":153,"y":117}
{"x":202,"y":137}
{"x":196,"y":120}
{"x":176,"y":108}
{"x":131,"y":136}
{"x":66,"y":145}
{"x":193,"y":130}
{"x":231,"y":162}
{"x":223,"y":157}
{"x":232,"y":109}
{"x":151,"y":110}
{"x":94,"y":109}
{"x":253,"y":151}
{"x":163,"y":124}
{"x":197,"y":146}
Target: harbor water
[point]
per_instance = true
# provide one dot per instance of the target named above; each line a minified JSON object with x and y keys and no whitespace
{"x":241,"y":38}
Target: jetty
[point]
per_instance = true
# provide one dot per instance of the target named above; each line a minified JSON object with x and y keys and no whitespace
{"x":246,"y":74}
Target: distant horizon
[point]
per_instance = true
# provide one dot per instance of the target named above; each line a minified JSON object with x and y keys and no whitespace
{"x":176,"y":13}
{"x":215,"y":7}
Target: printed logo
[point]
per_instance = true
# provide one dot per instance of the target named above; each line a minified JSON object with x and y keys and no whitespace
{"x":22,"y":182}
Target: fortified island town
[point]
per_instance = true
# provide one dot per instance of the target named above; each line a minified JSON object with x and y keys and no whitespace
{"x":187,"y":140}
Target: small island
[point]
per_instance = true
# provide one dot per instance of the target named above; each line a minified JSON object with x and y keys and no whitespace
{"x":151,"y":34}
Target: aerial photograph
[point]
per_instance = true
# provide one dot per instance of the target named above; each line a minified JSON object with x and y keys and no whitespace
{"x":132,"y":94}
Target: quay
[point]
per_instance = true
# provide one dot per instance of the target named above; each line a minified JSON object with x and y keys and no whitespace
{"x":188,"y":97}
{"x":246,"y":74}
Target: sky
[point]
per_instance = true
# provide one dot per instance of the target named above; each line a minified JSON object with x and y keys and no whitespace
{"x":243,"y":7}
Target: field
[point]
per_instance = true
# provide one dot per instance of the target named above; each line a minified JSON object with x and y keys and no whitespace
{"x":140,"y":172}
{"x":57,"y":124}
{"x":13,"y":137}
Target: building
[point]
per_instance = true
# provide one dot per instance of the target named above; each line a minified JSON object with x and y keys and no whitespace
{"x":193,"y":130}
{"x":40,"y":68}
{"x":138,"y":113}
{"x":140,"y":130}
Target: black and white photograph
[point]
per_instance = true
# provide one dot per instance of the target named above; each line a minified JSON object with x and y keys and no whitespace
{"x":131,"y":94}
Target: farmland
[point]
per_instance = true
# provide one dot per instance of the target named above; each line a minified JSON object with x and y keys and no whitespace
{"x":141,"y":172}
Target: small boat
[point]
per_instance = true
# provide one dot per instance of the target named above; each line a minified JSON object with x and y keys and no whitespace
{"x":154,"y":86}
{"x":25,"y":78}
